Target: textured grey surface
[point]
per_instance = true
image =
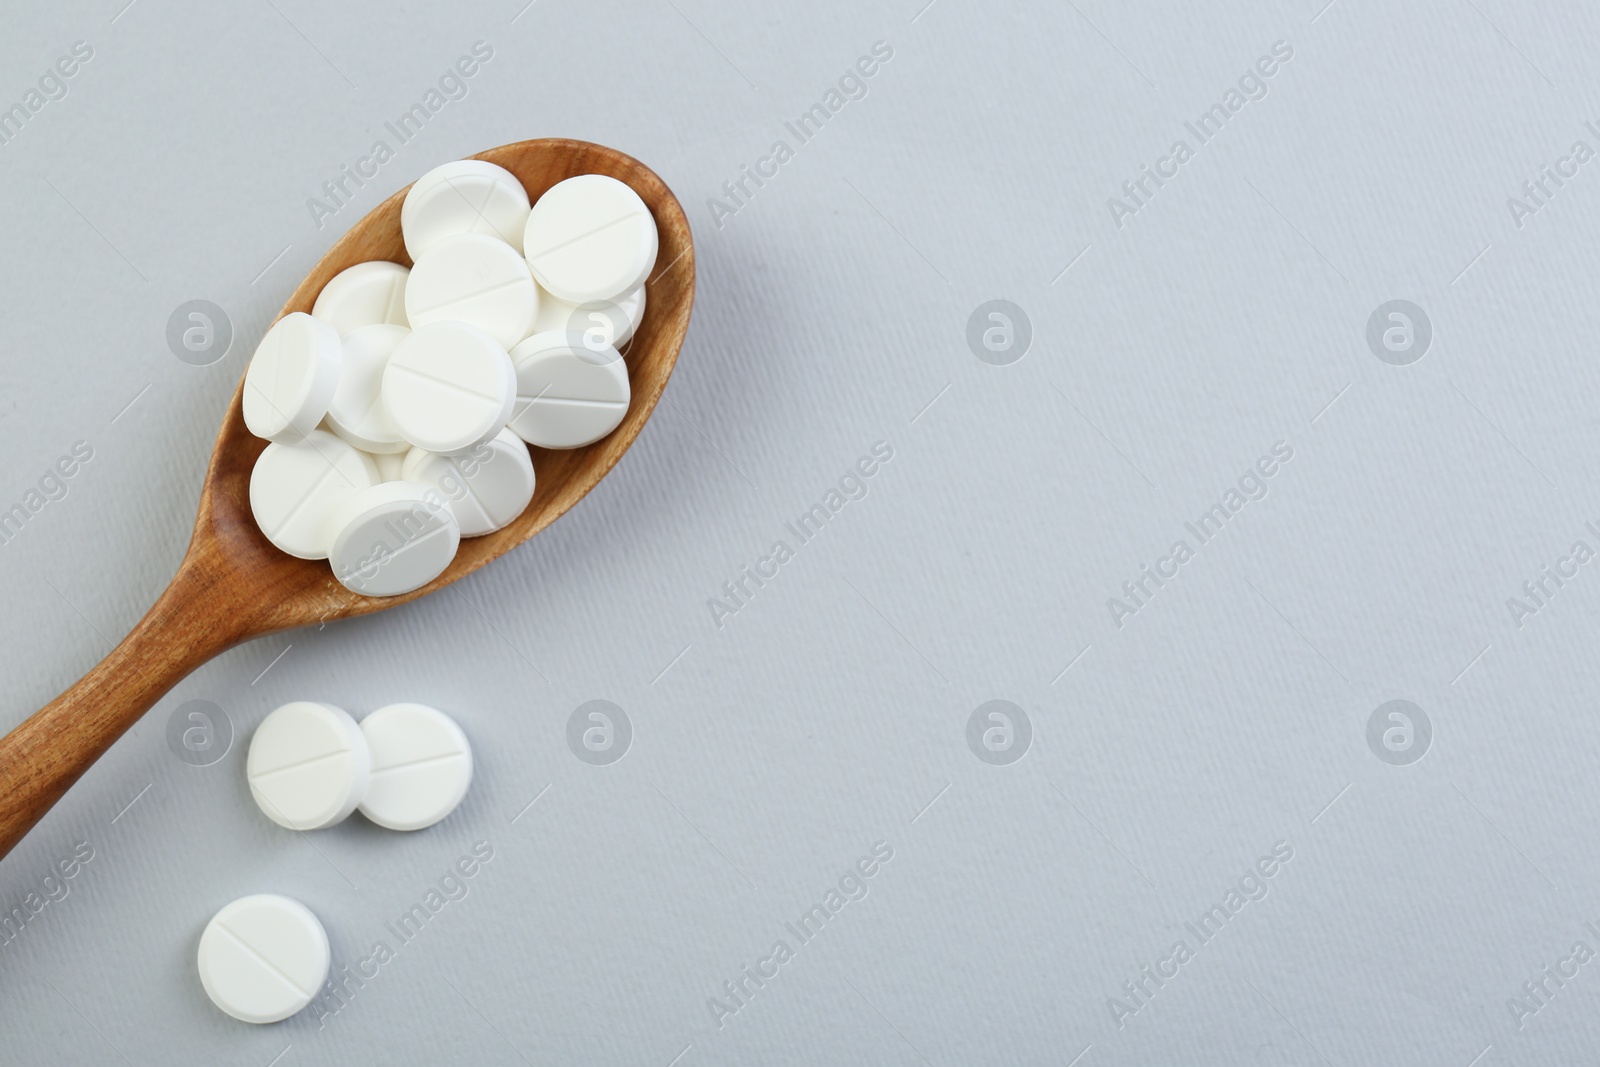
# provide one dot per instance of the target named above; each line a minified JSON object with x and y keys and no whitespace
{"x":1226,"y":717}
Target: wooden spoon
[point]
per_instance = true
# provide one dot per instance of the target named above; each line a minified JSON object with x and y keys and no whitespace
{"x":234,"y":585}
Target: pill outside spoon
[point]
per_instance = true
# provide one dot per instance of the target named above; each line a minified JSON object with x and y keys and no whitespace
{"x":233,"y":585}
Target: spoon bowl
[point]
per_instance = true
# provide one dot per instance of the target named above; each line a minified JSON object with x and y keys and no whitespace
{"x":233,"y":584}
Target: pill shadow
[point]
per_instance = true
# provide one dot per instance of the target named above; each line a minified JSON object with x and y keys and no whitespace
{"x":684,"y":473}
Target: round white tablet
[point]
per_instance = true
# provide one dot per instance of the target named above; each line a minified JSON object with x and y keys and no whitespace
{"x":602,"y":324}
{"x":590,"y":238}
{"x":449,"y":387}
{"x":357,"y":413}
{"x":467,"y":196}
{"x":421,"y":766}
{"x":567,"y":395}
{"x":292,"y":377}
{"x":486,"y":488}
{"x":295,"y":487}
{"x":390,"y":465}
{"x":477,"y":280}
{"x":393,"y":538}
{"x":367,"y":294}
{"x":308,"y":765}
{"x":263,"y":958}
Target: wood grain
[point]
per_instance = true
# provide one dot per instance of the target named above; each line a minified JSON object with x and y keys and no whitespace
{"x":234,"y":585}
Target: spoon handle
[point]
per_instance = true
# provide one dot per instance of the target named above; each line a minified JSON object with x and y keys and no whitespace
{"x":41,"y":758}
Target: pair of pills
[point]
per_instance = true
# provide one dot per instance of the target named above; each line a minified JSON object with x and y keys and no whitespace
{"x":399,"y":410}
{"x":404,"y":766}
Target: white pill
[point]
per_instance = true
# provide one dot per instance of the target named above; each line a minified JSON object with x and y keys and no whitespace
{"x":393,"y":538}
{"x":357,"y":413}
{"x":477,"y":280}
{"x":367,"y":294}
{"x":421,"y":766}
{"x":603,"y":323}
{"x":263,"y":958}
{"x":308,"y":765}
{"x":390,"y":465}
{"x":449,"y":387}
{"x":292,"y":377}
{"x":567,"y":395}
{"x":294,"y":488}
{"x":467,"y":196}
{"x":486,"y":488}
{"x":590,"y":238}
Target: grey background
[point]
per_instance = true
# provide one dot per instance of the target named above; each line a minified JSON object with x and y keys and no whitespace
{"x":1227,"y":715}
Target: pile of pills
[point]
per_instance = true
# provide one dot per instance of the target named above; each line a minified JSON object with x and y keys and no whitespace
{"x":262,"y":958}
{"x":400,"y":410}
